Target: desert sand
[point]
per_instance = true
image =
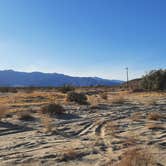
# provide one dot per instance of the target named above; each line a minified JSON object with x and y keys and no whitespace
{"x":100,"y":134}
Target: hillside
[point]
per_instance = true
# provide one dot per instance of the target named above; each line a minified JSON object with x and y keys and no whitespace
{"x":15,"y":78}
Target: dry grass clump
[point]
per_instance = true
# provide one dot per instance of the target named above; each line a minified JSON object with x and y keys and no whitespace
{"x":70,"y":154}
{"x":104,"y":95}
{"x":3,"y":110}
{"x":94,"y":101}
{"x":79,"y":98}
{"x":130,"y":141}
{"x":47,"y":123}
{"x":66,"y":88}
{"x":137,"y":157}
{"x":53,"y":109}
{"x":119,"y":99}
{"x":111,"y":128}
{"x":154,"y":116}
{"x":60,"y":96}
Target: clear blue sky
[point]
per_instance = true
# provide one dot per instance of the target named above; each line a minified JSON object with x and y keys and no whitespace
{"x":83,"y":37}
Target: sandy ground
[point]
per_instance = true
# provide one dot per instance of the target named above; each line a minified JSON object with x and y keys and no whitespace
{"x":84,"y":135}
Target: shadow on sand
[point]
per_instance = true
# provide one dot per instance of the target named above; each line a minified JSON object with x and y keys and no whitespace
{"x":10,"y":128}
{"x":67,"y":116}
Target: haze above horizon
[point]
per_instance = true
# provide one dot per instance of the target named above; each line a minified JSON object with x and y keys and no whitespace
{"x":83,"y":37}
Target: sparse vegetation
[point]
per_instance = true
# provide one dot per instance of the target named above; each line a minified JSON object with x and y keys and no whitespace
{"x":70,"y":154}
{"x":154,"y":116}
{"x":94,"y":101}
{"x":137,"y":157}
{"x":8,"y":90}
{"x":154,"y":80}
{"x":98,"y":131}
{"x":66,"y":88}
{"x":47,"y":123}
{"x":79,"y":98}
{"x":111,"y":128}
{"x":3,"y":110}
{"x":118,"y":99}
{"x":53,"y":109}
{"x":104,"y":95}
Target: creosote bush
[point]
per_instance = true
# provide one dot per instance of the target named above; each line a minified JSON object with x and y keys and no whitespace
{"x":53,"y":109}
{"x":79,"y":98}
{"x":154,"y":80}
{"x":66,"y":88}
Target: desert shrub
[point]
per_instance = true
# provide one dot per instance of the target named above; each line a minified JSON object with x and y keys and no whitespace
{"x":104,"y":95}
{"x":136,"y":90}
{"x":53,"y":109}
{"x":94,"y":101}
{"x":66,"y":88}
{"x":8,"y":90}
{"x":119,"y":99}
{"x":79,"y":98}
{"x":47,"y":123}
{"x":154,"y":80}
{"x":137,"y":157}
{"x":154,"y":116}
{"x":29,"y":89}
{"x":4,"y":90}
{"x":25,"y":116}
{"x":71,"y":154}
{"x":3,"y":111}
{"x":111,"y":128}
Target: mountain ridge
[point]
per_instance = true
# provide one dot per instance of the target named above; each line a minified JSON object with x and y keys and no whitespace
{"x":16,"y":78}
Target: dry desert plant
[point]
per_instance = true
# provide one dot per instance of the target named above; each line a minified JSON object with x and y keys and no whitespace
{"x":118,"y":99}
{"x":79,"y":98}
{"x":154,"y":116}
{"x":53,"y":109}
{"x":47,"y":123}
{"x":3,"y":110}
{"x":137,"y":157}
{"x":70,"y":154}
{"x":66,"y":88}
{"x":111,"y":128}
{"x":94,"y":101}
{"x":131,"y":140}
{"x":104,"y":95}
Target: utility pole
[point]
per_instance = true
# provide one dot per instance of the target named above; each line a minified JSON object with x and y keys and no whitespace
{"x":127,"y":74}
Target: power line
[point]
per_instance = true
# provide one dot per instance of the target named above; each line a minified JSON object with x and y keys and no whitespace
{"x":127,"y":75}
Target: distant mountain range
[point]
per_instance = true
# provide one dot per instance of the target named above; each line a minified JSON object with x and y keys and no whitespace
{"x":15,"y":79}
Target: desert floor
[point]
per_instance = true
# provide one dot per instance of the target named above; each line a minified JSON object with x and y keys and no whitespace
{"x":124,"y":128}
